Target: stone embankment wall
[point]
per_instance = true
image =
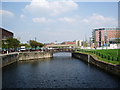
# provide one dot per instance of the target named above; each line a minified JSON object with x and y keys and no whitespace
{"x":114,"y":69}
{"x":7,"y":59}
{"x":34,"y":55}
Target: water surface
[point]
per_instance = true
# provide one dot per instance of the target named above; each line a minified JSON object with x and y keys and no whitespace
{"x":61,"y":71}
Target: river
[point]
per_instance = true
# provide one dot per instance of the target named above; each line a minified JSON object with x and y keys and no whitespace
{"x":61,"y":71}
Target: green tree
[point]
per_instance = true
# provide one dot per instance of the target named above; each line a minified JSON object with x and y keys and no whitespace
{"x":4,"y":44}
{"x":0,"y":43}
{"x":102,"y":44}
{"x":95,"y":44}
{"x":85,"y":44}
{"x":34,"y":44}
{"x":11,"y":43}
{"x":117,"y":40}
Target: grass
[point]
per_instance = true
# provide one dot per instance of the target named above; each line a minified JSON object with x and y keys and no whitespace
{"x":112,"y":53}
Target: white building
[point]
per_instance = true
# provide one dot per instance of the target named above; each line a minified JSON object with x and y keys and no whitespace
{"x":79,"y":43}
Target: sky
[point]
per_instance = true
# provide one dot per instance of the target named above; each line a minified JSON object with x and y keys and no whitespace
{"x":48,"y":21}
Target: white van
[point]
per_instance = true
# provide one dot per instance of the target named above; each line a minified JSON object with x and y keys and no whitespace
{"x":22,"y":48}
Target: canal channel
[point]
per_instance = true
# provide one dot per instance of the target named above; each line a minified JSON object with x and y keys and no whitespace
{"x":61,"y":71}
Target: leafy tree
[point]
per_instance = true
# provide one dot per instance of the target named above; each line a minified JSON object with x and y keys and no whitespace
{"x":11,"y":43}
{"x":95,"y":44}
{"x":4,"y":44}
{"x":0,"y":44}
{"x":117,"y":40}
{"x":85,"y":44}
{"x":34,"y":44}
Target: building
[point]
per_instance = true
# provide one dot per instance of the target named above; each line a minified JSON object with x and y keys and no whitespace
{"x":79,"y":43}
{"x":69,"y":43}
{"x":4,"y":34}
{"x":76,"y":43}
{"x":105,"y":36}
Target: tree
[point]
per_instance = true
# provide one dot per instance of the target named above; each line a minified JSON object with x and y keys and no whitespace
{"x":95,"y":45}
{"x":4,"y":44}
{"x":102,"y":44}
{"x":34,"y":44}
{"x":117,"y":40}
{"x":85,"y":44}
{"x":11,"y":43}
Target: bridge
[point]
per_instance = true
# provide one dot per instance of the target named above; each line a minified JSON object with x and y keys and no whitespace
{"x":60,"y":50}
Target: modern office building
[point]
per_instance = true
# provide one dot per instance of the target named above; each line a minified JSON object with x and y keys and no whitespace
{"x":105,"y":36}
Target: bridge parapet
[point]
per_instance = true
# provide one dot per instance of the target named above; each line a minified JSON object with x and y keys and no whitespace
{"x":60,"y":50}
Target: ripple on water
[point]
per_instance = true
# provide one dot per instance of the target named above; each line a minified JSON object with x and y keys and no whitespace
{"x":62,"y":71}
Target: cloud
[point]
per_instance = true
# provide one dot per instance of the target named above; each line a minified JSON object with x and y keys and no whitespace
{"x":97,"y":20}
{"x":42,"y":20}
{"x":45,"y":20}
{"x":6,"y":13}
{"x":44,"y":7}
{"x":67,"y":19}
{"x":22,"y":16}
{"x":6,"y":17}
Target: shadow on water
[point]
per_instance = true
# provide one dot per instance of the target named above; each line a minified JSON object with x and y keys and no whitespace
{"x":61,"y":71}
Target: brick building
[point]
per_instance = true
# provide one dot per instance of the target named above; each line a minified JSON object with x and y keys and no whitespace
{"x":4,"y":34}
{"x":105,"y":35}
{"x":69,"y":43}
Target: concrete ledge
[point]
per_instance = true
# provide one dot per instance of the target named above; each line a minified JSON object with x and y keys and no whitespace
{"x":7,"y":59}
{"x":34,"y":55}
{"x":112,"y":68}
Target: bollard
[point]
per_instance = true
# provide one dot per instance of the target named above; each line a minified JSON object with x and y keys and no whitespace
{"x":108,"y":57}
{"x":96,"y":53}
{"x":105,"y":56}
{"x":117,"y":59}
{"x":101,"y":55}
{"x":112,"y":58}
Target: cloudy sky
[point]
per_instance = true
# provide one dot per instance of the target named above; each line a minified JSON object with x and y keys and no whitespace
{"x":49,"y":21}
